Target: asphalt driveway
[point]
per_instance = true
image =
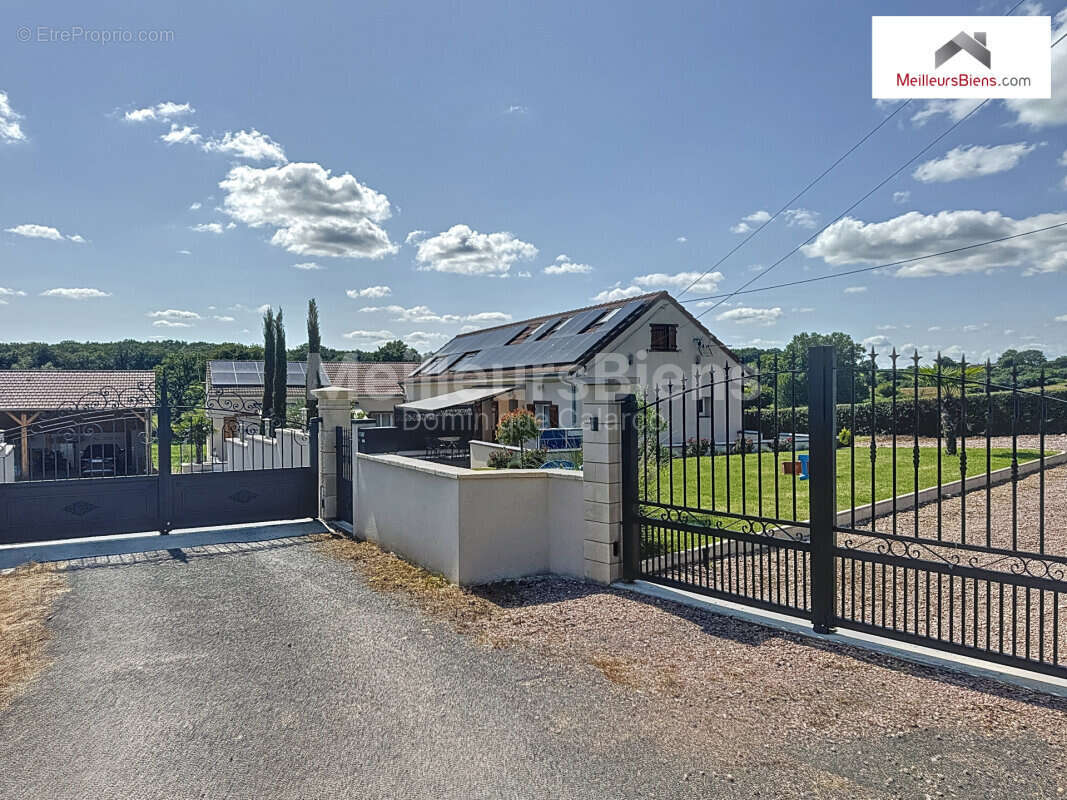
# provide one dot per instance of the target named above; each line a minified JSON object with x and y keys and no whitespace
{"x":275,"y":672}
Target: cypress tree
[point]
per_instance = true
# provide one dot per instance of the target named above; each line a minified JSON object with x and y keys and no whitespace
{"x":314,"y":359}
{"x":268,"y":364}
{"x":281,"y":369}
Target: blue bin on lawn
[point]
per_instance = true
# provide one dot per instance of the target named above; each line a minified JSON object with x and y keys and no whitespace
{"x":803,"y":467}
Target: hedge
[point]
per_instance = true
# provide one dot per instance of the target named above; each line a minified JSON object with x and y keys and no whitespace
{"x":1028,"y":420}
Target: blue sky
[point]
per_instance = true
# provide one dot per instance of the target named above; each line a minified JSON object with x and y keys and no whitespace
{"x":432,"y":161}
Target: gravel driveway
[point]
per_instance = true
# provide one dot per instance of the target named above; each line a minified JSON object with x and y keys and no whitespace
{"x":274,"y":670}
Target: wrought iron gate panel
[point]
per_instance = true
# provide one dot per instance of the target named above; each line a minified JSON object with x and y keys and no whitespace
{"x":344,"y":473}
{"x":714,"y":515}
{"x":65,"y":509}
{"x":927,"y":521}
{"x":108,"y":468}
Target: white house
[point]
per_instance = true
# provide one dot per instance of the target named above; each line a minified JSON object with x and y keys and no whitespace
{"x":553,"y":364}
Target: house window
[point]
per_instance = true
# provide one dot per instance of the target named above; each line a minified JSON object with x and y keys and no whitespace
{"x":524,"y":334}
{"x":664,"y":338}
{"x":383,"y":419}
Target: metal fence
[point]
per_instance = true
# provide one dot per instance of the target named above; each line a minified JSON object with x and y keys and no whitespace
{"x":344,"y":473}
{"x":938,"y":517}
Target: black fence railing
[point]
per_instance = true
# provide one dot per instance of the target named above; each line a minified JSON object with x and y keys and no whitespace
{"x":747,"y":485}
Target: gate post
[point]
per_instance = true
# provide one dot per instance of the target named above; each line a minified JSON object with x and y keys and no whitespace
{"x":335,"y":410}
{"x":164,"y":497}
{"x":602,"y":489}
{"x":822,"y":487}
{"x":631,"y":531}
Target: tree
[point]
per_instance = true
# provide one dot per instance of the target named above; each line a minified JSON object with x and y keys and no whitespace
{"x":185,"y":380}
{"x":314,"y":359}
{"x":270,"y":333}
{"x":281,"y":370}
{"x":193,"y":427}
{"x":393,"y":351}
{"x":517,"y":427}
{"x":849,"y":362}
{"x":950,"y":377}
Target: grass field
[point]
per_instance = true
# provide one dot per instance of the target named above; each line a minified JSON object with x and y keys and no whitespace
{"x":746,"y":494}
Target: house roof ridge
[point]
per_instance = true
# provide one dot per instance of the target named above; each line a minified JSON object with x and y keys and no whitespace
{"x":543,"y":317}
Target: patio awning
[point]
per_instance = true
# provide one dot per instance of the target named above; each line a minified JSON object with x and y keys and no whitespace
{"x":459,"y":398}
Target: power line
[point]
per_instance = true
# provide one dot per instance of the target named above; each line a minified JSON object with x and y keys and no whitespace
{"x":874,"y":189}
{"x":798,"y":195}
{"x":870,"y":133}
{"x":879,"y":266}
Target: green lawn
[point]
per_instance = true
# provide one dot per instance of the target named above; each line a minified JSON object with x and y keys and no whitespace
{"x":753,"y":466}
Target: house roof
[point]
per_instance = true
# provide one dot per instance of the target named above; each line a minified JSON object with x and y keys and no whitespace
{"x":370,"y":379}
{"x":55,"y":389}
{"x":560,"y":340}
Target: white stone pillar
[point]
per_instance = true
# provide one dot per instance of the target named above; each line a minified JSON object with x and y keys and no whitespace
{"x":602,"y":456}
{"x":335,"y":411}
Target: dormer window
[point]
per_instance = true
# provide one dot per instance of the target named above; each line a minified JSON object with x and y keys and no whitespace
{"x":555,"y":326}
{"x":524,"y":334}
{"x":599,"y":321}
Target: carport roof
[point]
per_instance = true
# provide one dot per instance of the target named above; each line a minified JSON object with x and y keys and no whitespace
{"x":55,"y":389}
{"x":459,"y":398}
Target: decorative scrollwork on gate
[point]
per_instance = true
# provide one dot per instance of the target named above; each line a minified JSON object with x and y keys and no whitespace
{"x":919,"y":551}
{"x":141,"y":395}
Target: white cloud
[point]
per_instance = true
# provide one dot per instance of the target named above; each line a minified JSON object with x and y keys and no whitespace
{"x":523,"y":273}
{"x":181,"y":134}
{"x":426,"y":314}
{"x":955,"y":110}
{"x":314,"y":212}
{"x":206,"y":227}
{"x":75,"y":294}
{"x":308,"y":266}
{"x":852,"y":241}
{"x":680,"y":281}
{"x":423,"y":339}
{"x":972,"y":162}
{"x":10,"y":130}
{"x":488,"y":316}
{"x":681,"y":240}
{"x":463,"y":251}
{"x":376,"y":338}
{"x":748,"y":315}
{"x":415,"y":236}
{"x":31,"y":231}
{"x":6,"y":293}
{"x":748,"y":223}
{"x":370,"y":291}
{"x":173,"y":314}
{"x":224,"y":318}
{"x":1061,"y":318}
{"x":876,"y":341}
{"x":934,"y":328}
{"x":802,"y":310}
{"x":159,"y":112}
{"x":885,"y":327}
{"x":517,"y":110}
{"x":901,"y":197}
{"x":170,"y":323}
{"x":185,"y":252}
{"x":804,"y":217}
{"x":564,"y":266}
{"x":252,"y":145}
{"x":195,"y":206}
{"x":617,"y":292}
{"x":971,"y":328}
{"x":855,"y":289}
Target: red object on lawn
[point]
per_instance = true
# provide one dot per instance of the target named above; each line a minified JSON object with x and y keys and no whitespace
{"x":791,"y":468}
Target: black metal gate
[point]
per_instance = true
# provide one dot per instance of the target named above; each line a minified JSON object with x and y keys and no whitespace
{"x":344,"y":473}
{"x":922,"y":515}
{"x":114,"y":464}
